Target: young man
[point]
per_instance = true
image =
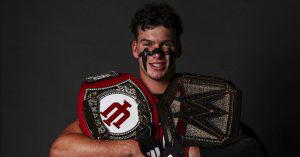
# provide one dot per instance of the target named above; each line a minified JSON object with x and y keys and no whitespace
{"x":156,"y":46}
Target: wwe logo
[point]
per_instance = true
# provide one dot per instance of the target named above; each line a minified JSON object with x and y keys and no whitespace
{"x":120,"y":109}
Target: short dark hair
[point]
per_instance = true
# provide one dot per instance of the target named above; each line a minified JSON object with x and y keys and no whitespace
{"x":153,"y":15}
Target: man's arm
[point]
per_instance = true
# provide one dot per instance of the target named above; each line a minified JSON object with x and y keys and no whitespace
{"x":73,"y":143}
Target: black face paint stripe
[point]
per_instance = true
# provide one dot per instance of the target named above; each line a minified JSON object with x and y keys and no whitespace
{"x":158,"y":51}
{"x":145,"y":53}
{"x":144,"y":56}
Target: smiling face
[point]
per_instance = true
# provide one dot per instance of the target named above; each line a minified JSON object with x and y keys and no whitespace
{"x":158,"y":66}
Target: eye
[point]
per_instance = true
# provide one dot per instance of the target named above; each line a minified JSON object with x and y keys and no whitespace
{"x":146,"y":44}
{"x":168,"y":45}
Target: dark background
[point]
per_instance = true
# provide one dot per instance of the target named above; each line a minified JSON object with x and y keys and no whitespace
{"x":47,"y":47}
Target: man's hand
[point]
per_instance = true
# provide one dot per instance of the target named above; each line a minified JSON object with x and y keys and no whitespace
{"x":153,"y":148}
{"x":149,"y":146}
{"x":179,"y":150}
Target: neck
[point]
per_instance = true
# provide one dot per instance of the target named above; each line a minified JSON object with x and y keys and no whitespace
{"x":155,"y":86}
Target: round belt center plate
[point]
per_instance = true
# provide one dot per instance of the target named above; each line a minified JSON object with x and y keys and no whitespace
{"x":119,"y":113}
{"x":115,"y":108}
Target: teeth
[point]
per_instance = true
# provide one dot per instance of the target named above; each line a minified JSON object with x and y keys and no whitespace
{"x":157,"y":65}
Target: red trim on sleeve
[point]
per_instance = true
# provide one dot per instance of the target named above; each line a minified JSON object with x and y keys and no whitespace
{"x":187,"y":149}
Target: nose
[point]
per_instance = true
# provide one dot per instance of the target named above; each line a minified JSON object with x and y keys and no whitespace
{"x":156,"y":55}
{"x":154,"y":46}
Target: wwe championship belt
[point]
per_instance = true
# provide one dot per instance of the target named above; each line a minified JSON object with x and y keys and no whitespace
{"x":114,"y":106}
{"x":200,"y":110}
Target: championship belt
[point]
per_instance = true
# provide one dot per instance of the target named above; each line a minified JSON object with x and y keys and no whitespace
{"x":114,"y":106}
{"x":200,"y":110}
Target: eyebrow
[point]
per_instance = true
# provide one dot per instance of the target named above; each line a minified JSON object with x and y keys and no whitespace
{"x":145,"y":40}
{"x":167,"y":41}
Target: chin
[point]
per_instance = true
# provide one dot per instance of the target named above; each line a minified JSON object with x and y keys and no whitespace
{"x":158,"y":75}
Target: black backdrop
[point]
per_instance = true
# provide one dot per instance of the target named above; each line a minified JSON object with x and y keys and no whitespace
{"x":48,"y":46}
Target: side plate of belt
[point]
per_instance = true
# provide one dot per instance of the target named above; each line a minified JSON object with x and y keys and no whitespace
{"x":200,"y":110}
{"x":114,"y":106}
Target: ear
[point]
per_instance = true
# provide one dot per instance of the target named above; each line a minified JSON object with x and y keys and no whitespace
{"x":134,"y":49}
{"x":179,"y":49}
